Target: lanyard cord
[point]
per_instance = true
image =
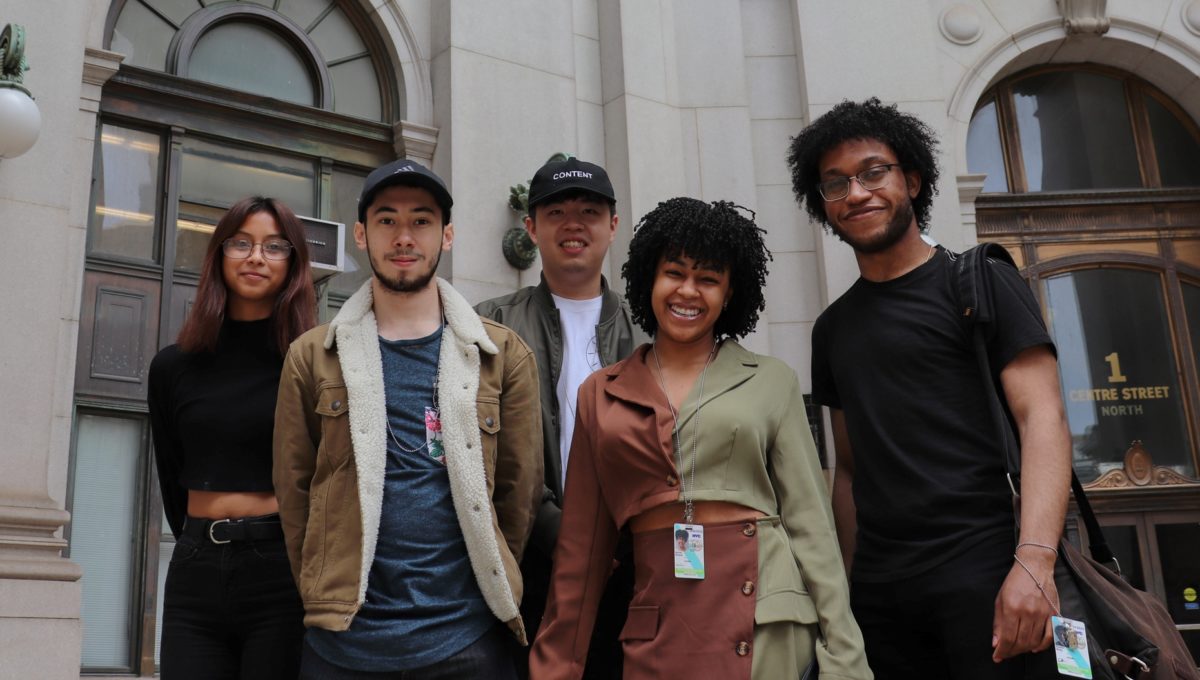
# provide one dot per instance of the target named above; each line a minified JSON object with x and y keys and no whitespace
{"x":688,"y":505}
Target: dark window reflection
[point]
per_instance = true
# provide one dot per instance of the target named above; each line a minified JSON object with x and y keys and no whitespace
{"x":1075,"y":132}
{"x":1117,"y":368}
{"x":1123,"y":540}
{"x":1179,"y":551}
{"x":1191,"y":307}
{"x":1177,"y":150}
{"x":984,"y":151}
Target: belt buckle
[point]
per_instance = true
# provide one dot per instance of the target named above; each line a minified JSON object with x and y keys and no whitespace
{"x":210,"y":532}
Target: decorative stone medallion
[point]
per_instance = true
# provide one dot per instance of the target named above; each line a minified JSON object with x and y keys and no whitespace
{"x":960,"y":24}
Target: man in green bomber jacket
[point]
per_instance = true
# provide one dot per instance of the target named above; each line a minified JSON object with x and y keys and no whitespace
{"x":575,"y":325}
{"x":406,"y":459}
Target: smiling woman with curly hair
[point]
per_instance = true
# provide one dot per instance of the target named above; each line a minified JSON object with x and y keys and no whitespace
{"x":701,"y":449}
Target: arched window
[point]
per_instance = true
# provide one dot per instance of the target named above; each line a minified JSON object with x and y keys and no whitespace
{"x":1073,"y":129}
{"x":1093,"y":183}
{"x":215,"y":101}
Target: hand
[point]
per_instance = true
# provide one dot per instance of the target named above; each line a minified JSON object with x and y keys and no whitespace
{"x":1022,"y":617}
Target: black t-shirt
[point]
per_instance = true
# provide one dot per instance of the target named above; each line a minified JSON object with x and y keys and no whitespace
{"x":212,"y":415}
{"x":897,"y":359}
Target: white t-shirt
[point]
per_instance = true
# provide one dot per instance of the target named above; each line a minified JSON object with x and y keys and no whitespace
{"x":580,"y":358}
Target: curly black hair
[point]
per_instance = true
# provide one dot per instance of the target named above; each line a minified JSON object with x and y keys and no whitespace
{"x":911,"y":140}
{"x":715,"y":234}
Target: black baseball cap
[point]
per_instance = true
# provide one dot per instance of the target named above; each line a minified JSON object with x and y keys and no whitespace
{"x":408,"y":173}
{"x":556,"y":177}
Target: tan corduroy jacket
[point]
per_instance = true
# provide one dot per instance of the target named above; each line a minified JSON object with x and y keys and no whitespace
{"x":331,"y":453}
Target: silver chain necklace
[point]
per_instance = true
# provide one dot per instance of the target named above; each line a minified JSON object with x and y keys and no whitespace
{"x":425,"y":444}
{"x":688,"y":505}
{"x":388,"y":420}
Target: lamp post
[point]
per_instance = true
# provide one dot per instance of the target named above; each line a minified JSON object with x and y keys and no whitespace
{"x":20,"y":120}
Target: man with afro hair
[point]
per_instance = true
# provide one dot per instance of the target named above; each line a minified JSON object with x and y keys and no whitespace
{"x":939,"y":583}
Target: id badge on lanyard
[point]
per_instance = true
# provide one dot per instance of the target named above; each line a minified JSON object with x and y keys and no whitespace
{"x":688,"y":546}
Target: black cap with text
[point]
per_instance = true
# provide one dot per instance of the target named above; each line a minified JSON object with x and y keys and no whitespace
{"x":556,"y":177}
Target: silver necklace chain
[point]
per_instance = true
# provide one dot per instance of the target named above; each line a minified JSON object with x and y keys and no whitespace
{"x":387,"y":419}
{"x":688,"y":505}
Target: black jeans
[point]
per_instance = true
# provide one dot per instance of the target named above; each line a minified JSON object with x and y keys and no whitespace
{"x":488,"y":658}
{"x":231,"y":611}
{"x":938,"y":624}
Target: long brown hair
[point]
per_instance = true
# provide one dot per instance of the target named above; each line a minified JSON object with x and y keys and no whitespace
{"x":295,"y":309}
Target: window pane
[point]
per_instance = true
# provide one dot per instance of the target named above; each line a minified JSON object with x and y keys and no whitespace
{"x":1191,"y":308}
{"x":104,"y":534}
{"x":166,"y":545}
{"x":1117,"y":366}
{"x":126,"y":192}
{"x":356,"y":89}
{"x":1075,"y":132}
{"x":251,"y":58}
{"x":303,"y":12}
{"x":176,"y":10}
{"x":984,"y":152}
{"x":215,"y":176}
{"x":142,"y":37}
{"x":1179,"y":549}
{"x":346,"y":187}
{"x":336,"y":38}
{"x":1177,"y":150}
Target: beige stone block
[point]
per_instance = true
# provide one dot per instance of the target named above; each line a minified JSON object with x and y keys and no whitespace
{"x":646,"y":64}
{"x":791,"y":343}
{"x":794,"y":287}
{"x":503,"y":30}
{"x":726,"y":160}
{"x":1015,"y":16}
{"x":787,"y":229}
{"x":767,"y":28}
{"x":587,"y":70}
{"x":770,"y":139}
{"x":31,"y":599}
{"x":40,"y":649}
{"x":774,"y":84}
{"x":841,"y":54}
{"x":690,"y":129}
{"x":654,"y":148}
{"x":585,"y":18}
{"x":710,"y":60}
{"x":590,"y":131}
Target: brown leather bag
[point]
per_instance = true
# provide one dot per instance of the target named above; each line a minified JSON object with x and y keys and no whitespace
{"x":1130,"y":634}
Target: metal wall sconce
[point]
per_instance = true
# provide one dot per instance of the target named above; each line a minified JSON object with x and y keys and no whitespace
{"x":20,"y":120}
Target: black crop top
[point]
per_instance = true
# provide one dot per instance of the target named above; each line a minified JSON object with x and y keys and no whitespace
{"x":213,"y":415}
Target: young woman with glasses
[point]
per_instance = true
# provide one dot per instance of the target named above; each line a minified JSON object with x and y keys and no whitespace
{"x":231,"y":608}
{"x":702,"y":450}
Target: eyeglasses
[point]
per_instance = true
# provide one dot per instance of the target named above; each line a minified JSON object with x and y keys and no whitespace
{"x":870,"y":179}
{"x":272,"y":249}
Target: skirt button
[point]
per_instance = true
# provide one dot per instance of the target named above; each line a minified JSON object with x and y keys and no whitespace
{"x":748,"y":588}
{"x":748,"y":528}
{"x":742,"y":648}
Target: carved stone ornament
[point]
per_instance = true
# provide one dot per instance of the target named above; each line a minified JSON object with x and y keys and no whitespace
{"x":1084,"y":16}
{"x":1190,"y":15}
{"x":1139,"y":471}
{"x":960,"y":24}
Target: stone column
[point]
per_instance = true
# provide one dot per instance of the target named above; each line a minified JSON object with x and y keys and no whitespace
{"x":44,"y":205}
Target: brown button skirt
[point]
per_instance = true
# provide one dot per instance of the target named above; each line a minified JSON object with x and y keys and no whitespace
{"x":685,"y":628}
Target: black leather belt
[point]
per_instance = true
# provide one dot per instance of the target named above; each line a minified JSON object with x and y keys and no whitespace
{"x":260,"y":528}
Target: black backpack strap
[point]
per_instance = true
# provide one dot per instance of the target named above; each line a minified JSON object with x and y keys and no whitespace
{"x":974,"y":295}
